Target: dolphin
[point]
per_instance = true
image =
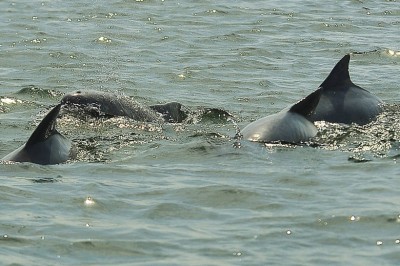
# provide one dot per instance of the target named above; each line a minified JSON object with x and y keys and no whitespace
{"x":46,"y":145}
{"x":171,"y":112}
{"x":289,"y":125}
{"x":344,"y":102}
{"x":108,"y":104}
{"x":105,"y":104}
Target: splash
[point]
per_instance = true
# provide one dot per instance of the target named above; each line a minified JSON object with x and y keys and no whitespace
{"x":377,"y":139}
{"x":104,"y":139}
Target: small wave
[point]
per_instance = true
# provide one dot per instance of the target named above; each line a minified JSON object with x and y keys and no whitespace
{"x":33,"y":90}
{"x":392,"y":53}
{"x":380,"y":51}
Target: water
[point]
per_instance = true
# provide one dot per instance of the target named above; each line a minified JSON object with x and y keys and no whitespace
{"x":151,"y":194}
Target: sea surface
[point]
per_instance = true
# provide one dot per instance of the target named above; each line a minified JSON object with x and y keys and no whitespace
{"x":191,"y":193}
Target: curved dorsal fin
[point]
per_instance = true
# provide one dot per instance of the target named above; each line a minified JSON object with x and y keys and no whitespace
{"x":306,"y":106}
{"x":46,"y":128}
{"x":339,"y":75}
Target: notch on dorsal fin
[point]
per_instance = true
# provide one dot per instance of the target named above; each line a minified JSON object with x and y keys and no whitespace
{"x":46,"y":128}
{"x":306,"y":106}
{"x":339,"y":75}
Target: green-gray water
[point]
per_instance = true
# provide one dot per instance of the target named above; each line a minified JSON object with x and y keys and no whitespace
{"x":184,"y":194}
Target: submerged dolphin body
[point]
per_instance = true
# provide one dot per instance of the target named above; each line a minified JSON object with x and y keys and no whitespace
{"x":171,"y":112}
{"x":46,"y":145}
{"x":289,"y":125}
{"x":109,"y":104}
{"x":97,"y":103}
{"x":344,"y":102}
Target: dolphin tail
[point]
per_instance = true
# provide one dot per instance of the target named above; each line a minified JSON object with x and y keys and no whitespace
{"x":339,"y":75}
{"x":306,"y":106}
{"x":46,"y":128}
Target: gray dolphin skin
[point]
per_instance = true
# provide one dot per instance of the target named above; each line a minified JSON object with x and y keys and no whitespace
{"x":344,"y":102}
{"x":46,"y":145}
{"x":99,"y":103}
{"x":105,"y":104}
{"x":289,"y":125}
{"x":171,"y":112}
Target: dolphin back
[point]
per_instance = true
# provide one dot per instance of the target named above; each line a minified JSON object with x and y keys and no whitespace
{"x":344,"y":102}
{"x":171,"y":112}
{"x":97,"y":103}
{"x":289,"y":125}
{"x":284,"y":127}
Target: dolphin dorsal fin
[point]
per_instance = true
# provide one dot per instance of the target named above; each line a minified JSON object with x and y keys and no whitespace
{"x":46,"y":128}
{"x":339,"y":75}
{"x":306,"y":106}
